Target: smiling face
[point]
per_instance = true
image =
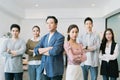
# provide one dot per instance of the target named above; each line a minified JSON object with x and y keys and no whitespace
{"x":36,"y":32}
{"x":51,"y":24}
{"x":73,"y":33}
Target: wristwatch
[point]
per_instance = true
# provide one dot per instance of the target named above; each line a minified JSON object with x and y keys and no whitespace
{"x":86,"y":47}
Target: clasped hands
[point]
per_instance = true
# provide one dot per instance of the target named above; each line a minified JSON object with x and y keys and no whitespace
{"x":12,"y":52}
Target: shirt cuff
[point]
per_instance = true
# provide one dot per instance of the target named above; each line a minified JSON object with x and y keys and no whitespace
{"x":34,"y":54}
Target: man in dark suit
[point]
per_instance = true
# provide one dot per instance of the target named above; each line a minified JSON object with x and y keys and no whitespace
{"x":51,"y":49}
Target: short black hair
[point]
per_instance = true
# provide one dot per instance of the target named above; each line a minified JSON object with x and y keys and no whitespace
{"x":15,"y":26}
{"x":88,"y":19}
{"x":53,"y":17}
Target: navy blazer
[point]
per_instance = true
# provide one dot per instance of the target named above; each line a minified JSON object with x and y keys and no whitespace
{"x":53,"y":64}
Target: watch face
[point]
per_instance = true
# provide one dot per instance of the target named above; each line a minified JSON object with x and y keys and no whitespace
{"x":86,"y":47}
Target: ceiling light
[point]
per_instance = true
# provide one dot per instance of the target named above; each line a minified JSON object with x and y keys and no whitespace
{"x":36,"y":5}
{"x":93,"y":5}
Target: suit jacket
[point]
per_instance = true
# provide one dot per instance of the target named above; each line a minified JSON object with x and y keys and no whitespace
{"x":53,"y":64}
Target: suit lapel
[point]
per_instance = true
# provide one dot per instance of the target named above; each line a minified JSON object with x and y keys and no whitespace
{"x":46,"y":40}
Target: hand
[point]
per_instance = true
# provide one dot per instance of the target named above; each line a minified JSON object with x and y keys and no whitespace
{"x":50,"y":48}
{"x":13,"y":53}
{"x":39,"y":50}
{"x":31,"y":50}
{"x":47,"y":54}
{"x":78,"y":58}
{"x":9,"y":51}
{"x":105,"y":58}
{"x":84,"y":47}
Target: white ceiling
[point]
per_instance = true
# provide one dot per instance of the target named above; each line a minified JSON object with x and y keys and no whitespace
{"x":60,"y":8}
{"x":47,"y":4}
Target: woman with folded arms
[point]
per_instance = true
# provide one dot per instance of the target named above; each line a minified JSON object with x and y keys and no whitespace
{"x":34,"y":61}
{"x":109,"y":51}
{"x":74,"y":53}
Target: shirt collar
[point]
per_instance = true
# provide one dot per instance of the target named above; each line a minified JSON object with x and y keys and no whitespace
{"x":34,"y":39}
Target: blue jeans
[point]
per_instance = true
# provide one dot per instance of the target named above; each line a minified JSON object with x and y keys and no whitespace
{"x":107,"y":78}
{"x":93,"y":72}
{"x":13,"y":76}
{"x":33,"y":73}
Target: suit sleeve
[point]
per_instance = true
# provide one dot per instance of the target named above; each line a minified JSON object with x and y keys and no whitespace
{"x":39,"y":45}
{"x":57,"y":47}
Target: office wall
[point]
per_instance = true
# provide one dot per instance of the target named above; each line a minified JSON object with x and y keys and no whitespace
{"x":5,"y":21}
{"x":111,"y":7}
{"x":27,"y":24}
{"x":64,"y":13}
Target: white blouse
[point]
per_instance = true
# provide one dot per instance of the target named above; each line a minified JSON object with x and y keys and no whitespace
{"x":107,"y":56}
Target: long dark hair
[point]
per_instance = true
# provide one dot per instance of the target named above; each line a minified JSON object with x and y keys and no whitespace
{"x":104,"y":40}
{"x":70,"y":28}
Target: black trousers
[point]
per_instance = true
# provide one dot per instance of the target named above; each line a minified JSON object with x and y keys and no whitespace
{"x":45,"y":77}
{"x":13,"y":76}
